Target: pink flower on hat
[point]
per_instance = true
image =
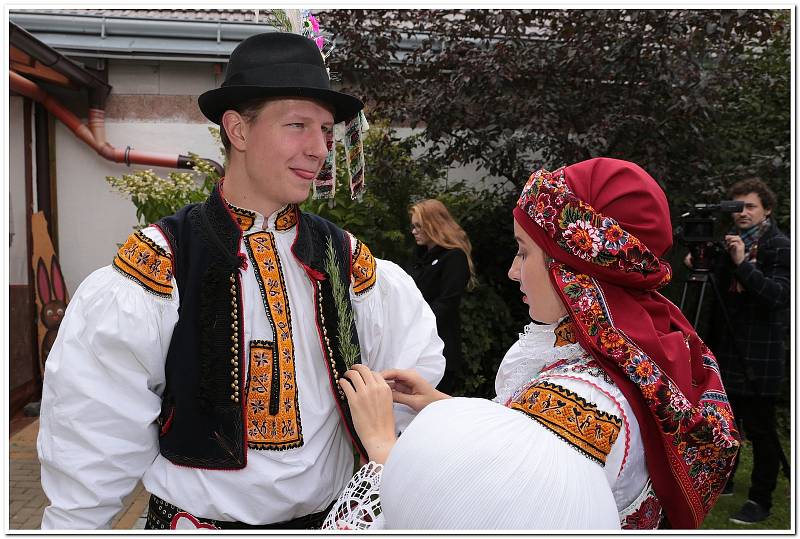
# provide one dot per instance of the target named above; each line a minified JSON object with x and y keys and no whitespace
{"x":314,"y":23}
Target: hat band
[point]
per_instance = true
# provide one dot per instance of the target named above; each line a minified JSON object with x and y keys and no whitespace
{"x":282,"y":76}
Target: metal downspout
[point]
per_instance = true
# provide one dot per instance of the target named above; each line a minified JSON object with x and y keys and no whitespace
{"x":94,"y":134}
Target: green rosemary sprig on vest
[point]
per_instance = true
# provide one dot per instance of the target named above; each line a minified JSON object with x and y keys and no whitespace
{"x":348,"y":350}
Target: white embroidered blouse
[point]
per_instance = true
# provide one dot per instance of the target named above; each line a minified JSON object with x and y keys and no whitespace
{"x":105,"y":376}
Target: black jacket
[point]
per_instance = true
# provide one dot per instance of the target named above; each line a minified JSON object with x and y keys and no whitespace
{"x":752,"y":360}
{"x":202,"y":417}
{"x":441,"y":275}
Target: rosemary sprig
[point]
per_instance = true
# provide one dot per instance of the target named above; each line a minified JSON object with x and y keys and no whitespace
{"x":349,"y":351}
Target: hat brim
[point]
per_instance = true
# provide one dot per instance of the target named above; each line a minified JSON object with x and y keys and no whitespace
{"x":214,"y":103}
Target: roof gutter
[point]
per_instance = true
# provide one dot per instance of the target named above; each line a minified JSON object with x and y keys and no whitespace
{"x":97,"y":35}
{"x":94,"y":133}
{"x":98,"y":89}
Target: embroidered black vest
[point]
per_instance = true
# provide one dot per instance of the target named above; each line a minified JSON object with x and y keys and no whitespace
{"x":203,"y":406}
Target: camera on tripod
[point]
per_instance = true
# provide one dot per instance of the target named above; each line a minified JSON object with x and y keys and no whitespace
{"x":697,"y":231}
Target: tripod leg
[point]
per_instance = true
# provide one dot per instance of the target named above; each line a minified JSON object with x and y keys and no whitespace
{"x":699,"y":304}
{"x":683,"y":294}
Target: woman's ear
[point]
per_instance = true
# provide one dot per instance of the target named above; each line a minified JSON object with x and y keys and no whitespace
{"x":235,"y":127}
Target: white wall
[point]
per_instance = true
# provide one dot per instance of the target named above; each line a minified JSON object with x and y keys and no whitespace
{"x":470,"y":174}
{"x":92,"y":217}
{"x":161,"y":77}
{"x":18,"y":250}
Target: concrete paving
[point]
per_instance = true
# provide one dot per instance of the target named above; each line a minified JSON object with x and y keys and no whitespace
{"x":27,"y":500}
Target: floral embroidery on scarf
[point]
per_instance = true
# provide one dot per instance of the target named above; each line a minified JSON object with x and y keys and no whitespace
{"x":580,"y":230}
{"x":570,"y":417}
{"x":141,"y":260}
{"x":703,"y":438}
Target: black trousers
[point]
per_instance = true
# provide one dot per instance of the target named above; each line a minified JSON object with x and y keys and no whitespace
{"x":756,"y":415}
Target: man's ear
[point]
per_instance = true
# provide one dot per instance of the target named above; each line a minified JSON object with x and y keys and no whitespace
{"x":236,"y":128}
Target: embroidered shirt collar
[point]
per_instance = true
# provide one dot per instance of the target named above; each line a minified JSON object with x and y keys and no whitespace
{"x":285,"y":218}
{"x":252,"y":221}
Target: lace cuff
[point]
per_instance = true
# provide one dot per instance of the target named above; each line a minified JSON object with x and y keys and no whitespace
{"x":359,"y":504}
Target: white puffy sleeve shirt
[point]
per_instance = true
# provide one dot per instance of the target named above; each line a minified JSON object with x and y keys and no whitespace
{"x":105,"y":376}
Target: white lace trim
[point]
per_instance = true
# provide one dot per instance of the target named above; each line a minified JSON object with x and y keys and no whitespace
{"x":537,"y":351}
{"x":359,"y":504}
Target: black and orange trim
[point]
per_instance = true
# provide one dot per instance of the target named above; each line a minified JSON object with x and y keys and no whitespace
{"x":143,"y":261}
{"x":363,"y":269}
{"x":570,"y":417}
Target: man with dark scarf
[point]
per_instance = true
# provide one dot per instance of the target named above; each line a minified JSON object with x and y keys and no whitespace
{"x":755,"y":287}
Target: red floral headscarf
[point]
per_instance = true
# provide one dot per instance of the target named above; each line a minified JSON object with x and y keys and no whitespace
{"x":606,"y":224}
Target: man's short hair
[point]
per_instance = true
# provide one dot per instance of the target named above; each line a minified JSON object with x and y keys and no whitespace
{"x":754,"y":185}
{"x":249,"y":110}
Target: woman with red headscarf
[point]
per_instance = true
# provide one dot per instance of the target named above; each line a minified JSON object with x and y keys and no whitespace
{"x":609,"y":372}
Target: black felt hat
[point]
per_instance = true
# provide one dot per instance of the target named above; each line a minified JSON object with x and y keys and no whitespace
{"x":276,"y":64}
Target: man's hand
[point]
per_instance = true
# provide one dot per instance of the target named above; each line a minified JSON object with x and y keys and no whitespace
{"x":370,"y":400}
{"x":688,"y":261}
{"x":411,"y":389}
{"x":735,"y":247}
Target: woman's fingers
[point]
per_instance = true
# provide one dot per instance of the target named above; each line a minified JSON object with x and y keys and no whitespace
{"x":356,"y":379}
{"x":411,"y":401}
{"x":347,"y":387}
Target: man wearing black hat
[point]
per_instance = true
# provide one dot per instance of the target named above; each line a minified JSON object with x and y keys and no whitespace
{"x":205,"y":359}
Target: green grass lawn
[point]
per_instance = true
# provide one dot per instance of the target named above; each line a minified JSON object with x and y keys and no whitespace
{"x":781,"y":517}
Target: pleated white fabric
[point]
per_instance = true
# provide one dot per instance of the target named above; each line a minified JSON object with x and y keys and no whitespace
{"x":473,"y":464}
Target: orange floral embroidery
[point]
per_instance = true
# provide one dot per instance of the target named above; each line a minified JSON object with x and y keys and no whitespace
{"x":363,"y":270}
{"x":273,"y":416}
{"x":144,"y":262}
{"x":287,"y":218}
{"x":565,"y":333}
{"x":245,"y":218}
{"x":581,"y":424}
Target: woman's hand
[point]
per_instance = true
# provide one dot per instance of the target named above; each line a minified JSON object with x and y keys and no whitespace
{"x":411,"y":389}
{"x":370,"y":400}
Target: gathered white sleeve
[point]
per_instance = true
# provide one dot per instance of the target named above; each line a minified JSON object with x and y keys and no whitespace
{"x":397,"y":330}
{"x":101,"y":397}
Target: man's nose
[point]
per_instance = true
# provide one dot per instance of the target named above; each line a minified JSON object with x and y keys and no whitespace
{"x":318,"y":145}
